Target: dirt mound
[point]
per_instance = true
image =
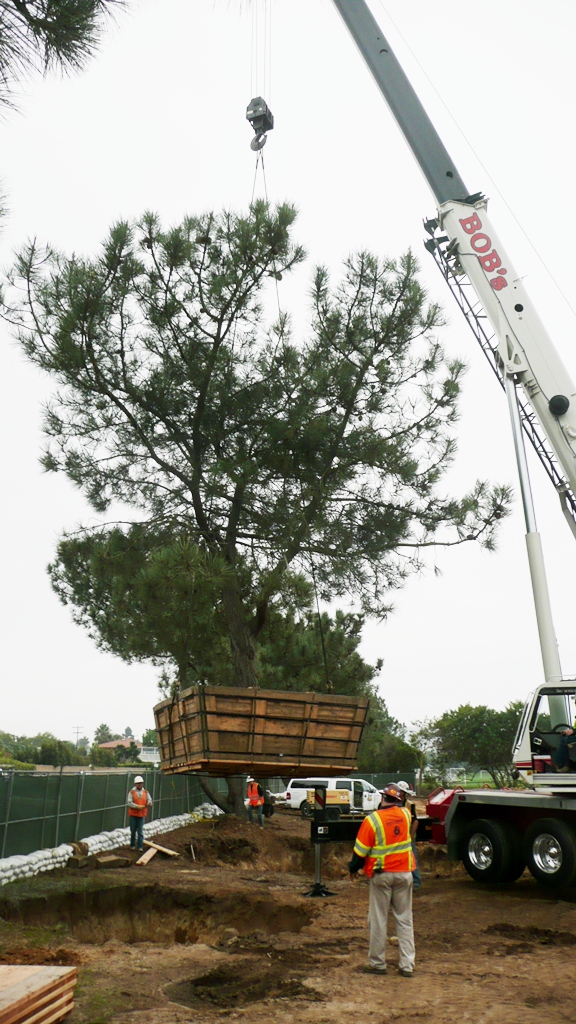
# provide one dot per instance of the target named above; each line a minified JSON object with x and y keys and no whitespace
{"x":278,"y":847}
{"x":245,"y":982}
{"x":40,"y":955}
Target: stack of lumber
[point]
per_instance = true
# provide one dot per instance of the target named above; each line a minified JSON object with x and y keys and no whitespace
{"x":36,"y":995}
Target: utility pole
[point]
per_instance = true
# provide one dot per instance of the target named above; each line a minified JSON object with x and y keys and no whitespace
{"x":77,"y":729}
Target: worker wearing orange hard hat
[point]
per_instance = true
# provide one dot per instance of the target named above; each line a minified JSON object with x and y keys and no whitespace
{"x":383,"y":850}
{"x":139,"y":800}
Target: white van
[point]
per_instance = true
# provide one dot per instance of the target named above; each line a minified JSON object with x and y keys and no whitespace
{"x":363,"y":796}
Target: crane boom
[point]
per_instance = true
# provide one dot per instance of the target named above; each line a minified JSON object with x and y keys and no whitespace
{"x":525,"y":351}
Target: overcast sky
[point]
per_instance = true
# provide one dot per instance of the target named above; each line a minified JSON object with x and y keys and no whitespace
{"x":157,"y":121}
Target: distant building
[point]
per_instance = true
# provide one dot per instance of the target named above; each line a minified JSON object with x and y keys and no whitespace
{"x":150,"y":754}
{"x":111,"y":744}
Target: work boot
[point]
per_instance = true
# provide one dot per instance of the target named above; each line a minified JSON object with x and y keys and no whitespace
{"x":404,"y":973}
{"x":370,"y":969}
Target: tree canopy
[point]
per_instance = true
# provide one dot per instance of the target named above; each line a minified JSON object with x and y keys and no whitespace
{"x":319,"y":456}
{"x":477,"y":738}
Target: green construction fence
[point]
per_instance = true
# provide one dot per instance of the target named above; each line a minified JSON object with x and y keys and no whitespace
{"x":41,"y":810}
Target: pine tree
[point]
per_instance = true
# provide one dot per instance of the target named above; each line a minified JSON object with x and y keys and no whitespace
{"x":320,"y":457}
{"x":47,"y":34}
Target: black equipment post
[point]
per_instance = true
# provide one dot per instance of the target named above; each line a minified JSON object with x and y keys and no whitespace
{"x":324,"y":831}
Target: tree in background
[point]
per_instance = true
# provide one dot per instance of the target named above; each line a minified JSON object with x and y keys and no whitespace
{"x":478,"y":738}
{"x":102,"y":757}
{"x":128,"y":755}
{"x":44,"y":748}
{"x":128,"y":732}
{"x":47,"y":34}
{"x":150,"y":738}
{"x":320,"y":457}
{"x":384,"y":747}
{"x":104,"y":734}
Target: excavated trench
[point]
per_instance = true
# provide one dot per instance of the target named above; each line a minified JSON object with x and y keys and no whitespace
{"x":157,"y":914}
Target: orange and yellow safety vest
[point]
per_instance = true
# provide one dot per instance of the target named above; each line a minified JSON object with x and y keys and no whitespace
{"x":253,"y":796}
{"x":140,"y":797}
{"x":384,"y":840}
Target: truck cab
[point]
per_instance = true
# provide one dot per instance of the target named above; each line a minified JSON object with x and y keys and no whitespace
{"x":548,"y":711}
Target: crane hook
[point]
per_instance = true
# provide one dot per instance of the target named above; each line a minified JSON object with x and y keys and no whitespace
{"x":261,"y":118}
{"x":258,"y":142}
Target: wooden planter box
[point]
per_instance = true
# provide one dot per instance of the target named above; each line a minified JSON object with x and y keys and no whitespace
{"x":225,"y":730}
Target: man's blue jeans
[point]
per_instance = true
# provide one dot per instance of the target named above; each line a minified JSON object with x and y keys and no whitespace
{"x":259,"y":813}
{"x":136,"y":832}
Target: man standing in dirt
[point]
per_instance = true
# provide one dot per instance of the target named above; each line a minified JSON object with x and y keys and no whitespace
{"x":139,"y":800}
{"x":383,"y":849}
{"x":255,"y":800}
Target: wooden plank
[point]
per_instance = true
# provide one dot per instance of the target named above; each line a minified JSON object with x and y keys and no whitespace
{"x":146,"y":857}
{"x":55,"y":1008}
{"x":26,"y":991}
{"x":162,"y":849}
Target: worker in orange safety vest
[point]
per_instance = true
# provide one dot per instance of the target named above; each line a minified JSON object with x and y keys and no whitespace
{"x":139,"y":800}
{"x":255,"y":800}
{"x":383,"y":850}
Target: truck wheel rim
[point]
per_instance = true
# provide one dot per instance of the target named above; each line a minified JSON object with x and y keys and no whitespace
{"x":547,"y":853}
{"x":480,"y":851}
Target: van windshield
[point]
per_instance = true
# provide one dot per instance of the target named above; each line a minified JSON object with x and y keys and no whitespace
{"x":307,"y":783}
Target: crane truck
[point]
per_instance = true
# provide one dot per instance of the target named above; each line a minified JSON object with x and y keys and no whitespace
{"x":497,"y":833}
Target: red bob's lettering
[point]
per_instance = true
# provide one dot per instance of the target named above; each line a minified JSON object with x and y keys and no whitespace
{"x":480,"y":243}
{"x":498,"y":283}
{"x":471,"y":224}
{"x":490,"y":262}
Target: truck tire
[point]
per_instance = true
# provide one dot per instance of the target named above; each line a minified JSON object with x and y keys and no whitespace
{"x":332,"y":814}
{"x":306,"y":809}
{"x":550,"y":848}
{"x":492,"y":851}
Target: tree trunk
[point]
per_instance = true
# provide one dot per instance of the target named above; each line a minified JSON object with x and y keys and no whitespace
{"x":234,"y":803}
{"x":237,"y":795}
{"x":242,"y":645}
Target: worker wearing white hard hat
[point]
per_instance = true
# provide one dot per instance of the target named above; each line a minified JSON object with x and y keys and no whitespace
{"x":139,"y":800}
{"x":255,"y":796}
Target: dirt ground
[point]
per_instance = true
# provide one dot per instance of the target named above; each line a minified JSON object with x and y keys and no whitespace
{"x":230,"y":935}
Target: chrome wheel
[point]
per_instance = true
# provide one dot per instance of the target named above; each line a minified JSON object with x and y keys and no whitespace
{"x":480,"y":851}
{"x":547,"y":853}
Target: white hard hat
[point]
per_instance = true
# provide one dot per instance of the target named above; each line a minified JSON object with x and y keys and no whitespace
{"x":138,"y":779}
{"x":249,"y":779}
{"x":406,"y":788}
